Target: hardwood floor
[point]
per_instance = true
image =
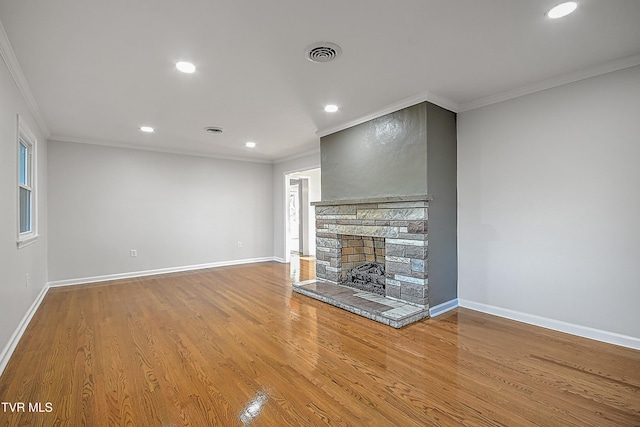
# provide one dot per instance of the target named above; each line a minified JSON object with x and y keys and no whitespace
{"x":232,"y":346}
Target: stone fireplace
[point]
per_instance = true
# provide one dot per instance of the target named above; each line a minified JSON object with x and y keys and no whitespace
{"x":376,"y":176}
{"x":389,"y":230}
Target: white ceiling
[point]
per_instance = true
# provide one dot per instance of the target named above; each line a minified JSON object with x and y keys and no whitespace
{"x":100,"y":69}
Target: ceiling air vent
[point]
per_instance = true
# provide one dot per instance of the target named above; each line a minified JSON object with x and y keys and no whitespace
{"x":213,"y":129}
{"x":323,"y":52}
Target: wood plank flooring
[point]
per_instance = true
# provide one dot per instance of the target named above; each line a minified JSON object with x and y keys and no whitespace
{"x":233,"y":346}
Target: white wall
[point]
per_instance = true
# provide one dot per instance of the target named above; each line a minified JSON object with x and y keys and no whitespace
{"x":175,"y":210}
{"x":549,"y":204}
{"x":15,"y":264}
{"x":279,"y":201}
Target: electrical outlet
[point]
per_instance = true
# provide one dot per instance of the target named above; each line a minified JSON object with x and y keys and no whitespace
{"x":239,"y":245}
{"x":134,"y":253}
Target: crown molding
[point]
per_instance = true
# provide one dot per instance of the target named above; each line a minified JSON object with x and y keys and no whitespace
{"x":404,"y":103}
{"x":9,"y":57}
{"x":564,"y":79}
{"x":74,"y":140}
{"x":296,"y":156}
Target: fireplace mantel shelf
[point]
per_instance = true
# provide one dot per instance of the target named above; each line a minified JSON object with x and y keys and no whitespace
{"x":388,"y":199}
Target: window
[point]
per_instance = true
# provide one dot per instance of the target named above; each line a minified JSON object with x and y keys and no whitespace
{"x":27,"y":225}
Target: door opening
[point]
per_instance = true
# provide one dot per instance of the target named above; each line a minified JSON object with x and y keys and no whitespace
{"x":301,"y":188}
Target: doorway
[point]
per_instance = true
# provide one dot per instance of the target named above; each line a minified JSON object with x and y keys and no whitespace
{"x":301,"y":189}
{"x":298,"y":216}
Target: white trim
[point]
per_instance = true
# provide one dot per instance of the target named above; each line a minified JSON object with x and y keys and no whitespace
{"x":285,"y":217}
{"x":74,"y":140}
{"x":26,"y":137}
{"x":297,"y":156}
{"x":9,"y":57}
{"x":300,"y":169}
{"x":564,"y":79}
{"x":556,"y":325}
{"x":407,"y":102}
{"x":443,"y":102}
{"x":133,"y":274}
{"x":22,"y":242}
{"x":443,"y":308}
{"x":8,"y":350}
{"x":304,"y":282}
{"x":280,"y":260}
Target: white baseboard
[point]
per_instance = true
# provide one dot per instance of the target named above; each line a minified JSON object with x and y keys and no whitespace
{"x":556,"y":325}
{"x":280,"y":260}
{"x":130,"y":275}
{"x":22,"y":326}
{"x":443,"y":308}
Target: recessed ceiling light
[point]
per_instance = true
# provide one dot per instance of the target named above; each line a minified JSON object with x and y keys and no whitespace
{"x":331,"y":108}
{"x":186,"y":67}
{"x":562,"y":9}
{"x":147,"y":129}
{"x":250,"y":144}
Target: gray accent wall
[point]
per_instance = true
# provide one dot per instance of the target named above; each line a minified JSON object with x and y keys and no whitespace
{"x":443,"y":215}
{"x":383,"y":157}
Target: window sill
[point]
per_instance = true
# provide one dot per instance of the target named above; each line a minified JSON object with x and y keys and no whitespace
{"x":26,"y":241}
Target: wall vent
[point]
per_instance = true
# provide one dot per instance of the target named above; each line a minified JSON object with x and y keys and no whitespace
{"x":214,"y":129}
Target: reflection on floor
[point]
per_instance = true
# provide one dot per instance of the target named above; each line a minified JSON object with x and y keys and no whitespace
{"x":302,"y":268}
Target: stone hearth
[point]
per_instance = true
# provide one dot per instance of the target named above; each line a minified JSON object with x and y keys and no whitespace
{"x":384,"y":310}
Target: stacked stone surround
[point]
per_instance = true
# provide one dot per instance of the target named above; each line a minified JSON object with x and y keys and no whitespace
{"x":401,"y":221}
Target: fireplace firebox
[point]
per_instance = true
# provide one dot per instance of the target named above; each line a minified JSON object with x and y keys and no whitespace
{"x":363,"y":263}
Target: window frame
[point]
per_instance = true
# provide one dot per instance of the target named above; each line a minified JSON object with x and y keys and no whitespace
{"x":26,"y":138}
